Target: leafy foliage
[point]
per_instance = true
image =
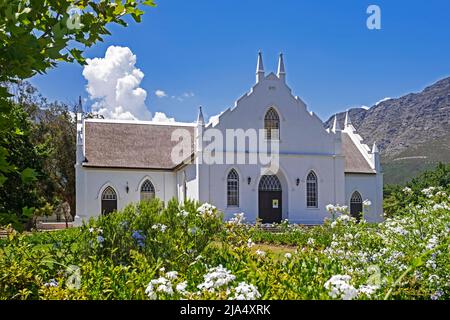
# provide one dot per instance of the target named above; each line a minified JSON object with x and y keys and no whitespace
{"x":35,"y":36}
{"x":397,"y":197}
{"x":188,"y":252}
{"x":47,"y":144}
{"x":21,"y":184}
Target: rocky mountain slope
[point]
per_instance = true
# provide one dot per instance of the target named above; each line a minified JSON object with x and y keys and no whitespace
{"x":412,"y":132}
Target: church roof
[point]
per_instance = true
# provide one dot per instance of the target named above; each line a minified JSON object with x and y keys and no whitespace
{"x":131,"y":145}
{"x":149,"y":146}
{"x":354,"y":160}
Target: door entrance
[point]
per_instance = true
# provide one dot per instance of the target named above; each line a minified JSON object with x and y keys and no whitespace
{"x":270,"y":199}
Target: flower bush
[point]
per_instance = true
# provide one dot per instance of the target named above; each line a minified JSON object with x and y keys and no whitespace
{"x":152,"y":251}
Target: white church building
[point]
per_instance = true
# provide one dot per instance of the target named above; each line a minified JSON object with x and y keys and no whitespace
{"x":121,"y":162}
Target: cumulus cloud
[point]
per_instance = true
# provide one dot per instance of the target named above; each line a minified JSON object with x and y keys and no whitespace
{"x":162,"y":117}
{"x":114,"y":82}
{"x":160,"y":93}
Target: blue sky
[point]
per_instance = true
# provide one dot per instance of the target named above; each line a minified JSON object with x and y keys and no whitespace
{"x":333,"y":61}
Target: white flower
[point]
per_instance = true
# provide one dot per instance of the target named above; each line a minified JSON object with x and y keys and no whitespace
{"x":159,"y":226}
{"x":260,"y":253}
{"x":340,"y":288}
{"x":206,"y":210}
{"x":288,"y":255}
{"x":428,"y":191}
{"x":238,"y":219}
{"x":183,"y":213}
{"x":171,"y":275}
{"x":216,"y":277}
{"x":162,"y":285}
{"x":368,"y":290}
{"x":437,"y":295}
{"x":311,"y":241}
{"x":250,"y":243}
{"x":432,"y":243}
{"x":367,"y":203}
{"x":51,"y":283}
{"x":91,"y":230}
{"x":246,"y":291}
{"x":407,"y":190}
{"x":330,"y":208}
{"x":165,"y":288}
{"x":181,"y":287}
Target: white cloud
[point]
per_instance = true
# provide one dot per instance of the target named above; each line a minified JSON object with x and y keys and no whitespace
{"x":114,"y":82}
{"x":188,"y":94}
{"x":160,"y":93}
{"x":382,"y":100}
{"x":162,"y":117}
{"x":183,"y":96}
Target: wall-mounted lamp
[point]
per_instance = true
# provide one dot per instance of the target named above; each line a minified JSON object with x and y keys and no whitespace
{"x":297,"y":182}
{"x":249,"y":180}
{"x":127,"y":188}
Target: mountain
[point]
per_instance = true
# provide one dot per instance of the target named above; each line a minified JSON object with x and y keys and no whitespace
{"x":412,"y":132}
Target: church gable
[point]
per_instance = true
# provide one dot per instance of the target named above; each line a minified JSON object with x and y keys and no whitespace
{"x":300,"y":130}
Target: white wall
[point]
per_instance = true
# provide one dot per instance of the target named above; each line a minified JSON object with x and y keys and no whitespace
{"x":304,"y":146}
{"x":370,"y":186}
{"x":96,"y":180}
{"x":330,"y":187}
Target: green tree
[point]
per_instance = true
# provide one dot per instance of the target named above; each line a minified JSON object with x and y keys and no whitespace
{"x":35,"y":35}
{"x":398,"y":197}
{"x":22,"y":191}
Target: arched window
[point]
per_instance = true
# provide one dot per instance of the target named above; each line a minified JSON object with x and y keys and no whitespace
{"x":311,"y":190}
{"x":356,"y":205}
{"x":233,"y":189}
{"x":269,"y":183}
{"x":147,"y":190}
{"x":109,"y":200}
{"x":272,"y":125}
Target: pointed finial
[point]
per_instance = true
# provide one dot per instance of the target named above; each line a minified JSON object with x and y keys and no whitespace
{"x":79,"y":106}
{"x":281,"y":71}
{"x":200,"y":119}
{"x":375,"y":148}
{"x":348,"y":121}
{"x":336,"y":126}
{"x":259,"y":68}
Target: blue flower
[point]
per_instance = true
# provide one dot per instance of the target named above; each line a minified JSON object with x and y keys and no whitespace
{"x":139,"y":237}
{"x":100,"y":239}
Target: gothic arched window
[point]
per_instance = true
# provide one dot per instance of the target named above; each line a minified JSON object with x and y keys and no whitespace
{"x":311,"y":190}
{"x":109,"y":200}
{"x":272,"y":125}
{"x":233,"y":189}
{"x":147,"y":190}
{"x":356,"y":205}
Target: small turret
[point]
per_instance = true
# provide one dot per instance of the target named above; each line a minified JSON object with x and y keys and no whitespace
{"x":200,"y":118}
{"x":375,"y":148}
{"x":336,"y":126}
{"x":348,"y":121}
{"x":259,"y":68}
{"x":281,"y":70}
